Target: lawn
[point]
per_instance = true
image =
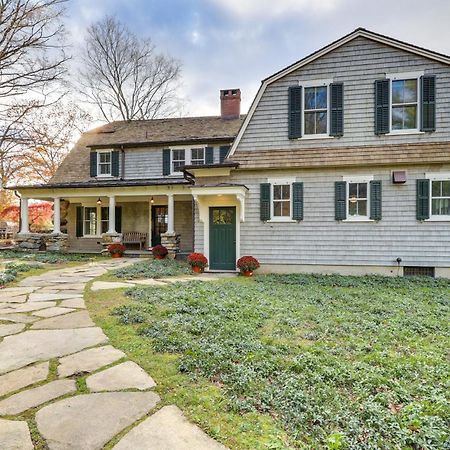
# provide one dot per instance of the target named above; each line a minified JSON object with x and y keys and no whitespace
{"x":313,"y":362}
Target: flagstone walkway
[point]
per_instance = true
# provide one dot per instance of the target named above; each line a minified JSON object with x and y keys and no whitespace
{"x":57,"y":371}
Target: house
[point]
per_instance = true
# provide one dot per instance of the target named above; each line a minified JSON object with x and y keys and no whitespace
{"x":341,"y":165}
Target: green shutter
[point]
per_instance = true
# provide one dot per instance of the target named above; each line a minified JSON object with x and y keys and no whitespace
{"x":118,"y":224}
{"x":428,"y":96}
{"x":423,"y":199}
{"x":337,"y":109}
{"x":93,"y":163}
{"x":375,"y":200}
{"x":209,"y":155}
{"x":79,"y":225}
{"x":166,"y":161}
{"x":340,"y":200}
{"x":295,"y":112}
{"x":382,"y":112}
{"x":224,"y":149}
{"x":264,"y":201}
{"x":297,"y":201}
{"x":115,"y":155}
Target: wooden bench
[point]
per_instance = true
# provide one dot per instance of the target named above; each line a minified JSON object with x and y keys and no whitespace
{"x":134,"y":237}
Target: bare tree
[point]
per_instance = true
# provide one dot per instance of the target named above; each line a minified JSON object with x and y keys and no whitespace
{"x":124,"y":76}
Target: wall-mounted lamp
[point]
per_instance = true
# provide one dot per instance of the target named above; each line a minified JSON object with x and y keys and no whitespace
{"x":152,"y":200}
{"x":99,"y":201}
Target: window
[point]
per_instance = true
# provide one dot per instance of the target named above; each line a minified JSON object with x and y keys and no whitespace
{"x":90,"y":221}
{"x":105,"y":219}
{"x":178,"y":160}
{"x":404,"y":97}
{"x":281,"y":194}
{"x":440,"y":198}
{"x":357,"y":200}
{"x":316,"y":110}
{"x":104,"y":163}
{"x":197,"y":156}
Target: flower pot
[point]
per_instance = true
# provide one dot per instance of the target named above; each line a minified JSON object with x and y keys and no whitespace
{"x":247,"y":273}
{"x":197,"y":269}
{"x":116,"y":255}
{"x":159,"y":257}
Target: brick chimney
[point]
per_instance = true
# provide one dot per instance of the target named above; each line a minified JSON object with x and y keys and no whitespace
{"x":230,"y":103}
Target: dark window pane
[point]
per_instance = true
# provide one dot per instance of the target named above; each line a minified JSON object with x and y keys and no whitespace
{"x":352,"y":208}
{"x":362,"y":207}
{"x":362,"y":190}
{"x":310,"y":123}
{"x":435,"y":207}
{"x":321,"y":97}
{"x":397,"y":118}
{"x":286,"y":191}
{"x":321,"y":125}
{"x":397,"y":91}
{"x":353,"y":189}
{"x":436,"y":188}
{"x":410,"y":117}
{"x":310,"y":99}
{"x":286,"y":209}
{"x":277,"y":209}
{"x":410,"y":91}
{"x":277,"y":192}
{"x":446,"y":188}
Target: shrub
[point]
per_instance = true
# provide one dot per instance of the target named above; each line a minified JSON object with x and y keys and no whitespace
{"x":160,"y":250}
{"x":116,"y":249}
{"x":197,"y":260}
{"x":247,"y":263}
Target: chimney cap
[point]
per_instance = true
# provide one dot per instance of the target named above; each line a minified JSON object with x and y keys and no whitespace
{"x":224,"y":93}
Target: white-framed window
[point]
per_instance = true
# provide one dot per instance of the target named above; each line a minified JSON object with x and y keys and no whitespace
{"x":405,"y":101}
{"x":197,"y":156}
{"x":358,"y":197}
{"x":315,"y":115}
{"x":178,"y":159}
{"x":104,"y":225}
{"x":440,"y":198}
{"x":104,"y":163}
{"x":281,"y":199}
{"x":90,"y":221}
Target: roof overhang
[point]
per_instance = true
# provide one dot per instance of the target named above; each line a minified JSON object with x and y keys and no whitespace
{"x":359,"y":32}
{"x":211,"y":170}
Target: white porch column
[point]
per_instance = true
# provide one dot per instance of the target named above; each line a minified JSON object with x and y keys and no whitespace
{"x":150,"y":227}
{"x":170,"y":212}
{"x":24,"y":215}
{"x":112,"y":215}
{"x":56,"y":215}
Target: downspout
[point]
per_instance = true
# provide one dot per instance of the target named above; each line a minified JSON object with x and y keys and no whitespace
{"x":122,"y":174}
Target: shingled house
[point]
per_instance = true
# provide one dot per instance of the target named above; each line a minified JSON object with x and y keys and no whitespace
{"x":341,"y":165}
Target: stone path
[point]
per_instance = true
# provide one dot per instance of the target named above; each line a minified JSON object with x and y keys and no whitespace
{"x":57,"y":370}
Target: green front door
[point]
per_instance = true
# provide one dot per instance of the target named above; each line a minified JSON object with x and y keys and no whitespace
{"x":222,"y":238}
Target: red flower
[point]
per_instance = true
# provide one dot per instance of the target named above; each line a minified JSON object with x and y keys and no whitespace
{"x":197,"y":260}
{"x":160,"y":250}
{"x":116,"y":248}
{"x":247,"y":263}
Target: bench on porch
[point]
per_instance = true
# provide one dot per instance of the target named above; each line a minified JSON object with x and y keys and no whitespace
{"x":134,"y":237}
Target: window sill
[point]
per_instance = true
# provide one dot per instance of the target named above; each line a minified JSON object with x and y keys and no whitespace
{"x":90,"y":236}
{"x":438,"y":219}
{"x":402,"y":133}
{"x":105,"y":176}
{"x":362,"y":219}
{"x":315,"y":136}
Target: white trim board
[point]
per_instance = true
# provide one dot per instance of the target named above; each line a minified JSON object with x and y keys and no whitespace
{"x":359,"y":32}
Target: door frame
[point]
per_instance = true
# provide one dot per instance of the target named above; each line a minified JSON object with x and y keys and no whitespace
{"x":210,"y":208}
{"x":153,"y":220}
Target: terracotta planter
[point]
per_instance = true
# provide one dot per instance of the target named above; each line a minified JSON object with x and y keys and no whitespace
{"x":247,"y":273}
{"x":159,"y":257}
{"x":197,"y":269}
{"x":116,"y":255}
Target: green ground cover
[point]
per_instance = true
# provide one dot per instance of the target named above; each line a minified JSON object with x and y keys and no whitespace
{"x":153,"y":268}
{"x":295,"y":361}
{"x":48,"y":257}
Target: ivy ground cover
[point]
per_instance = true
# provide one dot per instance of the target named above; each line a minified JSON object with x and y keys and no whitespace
{"x":335,"y":362}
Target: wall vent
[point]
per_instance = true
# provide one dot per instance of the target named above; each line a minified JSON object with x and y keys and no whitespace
{"x":417,"y":271}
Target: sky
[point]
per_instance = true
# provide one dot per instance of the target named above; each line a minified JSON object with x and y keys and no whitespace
{"x":227,"y":44}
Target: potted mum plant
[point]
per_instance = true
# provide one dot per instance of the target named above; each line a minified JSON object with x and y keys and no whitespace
{"x":159,"y":251}
{"x":247,"y":265}
{"x":116,"y":250}
{"x":197,"y":261}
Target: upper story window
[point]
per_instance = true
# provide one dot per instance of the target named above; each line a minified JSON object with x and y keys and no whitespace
{"x":316,"y":110}
{"x":178,"y":160}
{"x":197,"y":156}
{"x":104,"y":163}
{"x":405,"y":95}
{"x":440,"y":197}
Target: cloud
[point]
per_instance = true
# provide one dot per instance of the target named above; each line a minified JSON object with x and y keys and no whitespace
{"x":268,"y":9}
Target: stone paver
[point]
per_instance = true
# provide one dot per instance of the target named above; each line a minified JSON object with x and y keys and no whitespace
{"x":31,"y":398}
{"x":88,"y":360}
{"x":39,"y":345}
{"x":73,"y":303}
{"x":18,"y":317}
{"x":87,"y":422}
{"x":15,"y":435}
{"x":18,"y":379}
{"x":101,"y":285}
{"x":36,"y":297}
{"x":147,"y":282}
{"x":52,"y":312}
{"x":127,"y":375}
{"x":13,"y":328}
{"x":79,"y":319}
{"x":26,"y":307}
{"x":167,"y":429}
{"x":16,"y":299}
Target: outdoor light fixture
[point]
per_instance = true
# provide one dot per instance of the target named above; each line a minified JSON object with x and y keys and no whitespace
{"x":99,"y":201}
{"x":152,"y":200}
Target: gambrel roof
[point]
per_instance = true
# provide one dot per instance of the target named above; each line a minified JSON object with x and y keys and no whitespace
{"x":359,"y":32}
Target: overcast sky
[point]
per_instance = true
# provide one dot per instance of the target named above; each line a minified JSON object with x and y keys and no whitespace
{"x":236,"y":43}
